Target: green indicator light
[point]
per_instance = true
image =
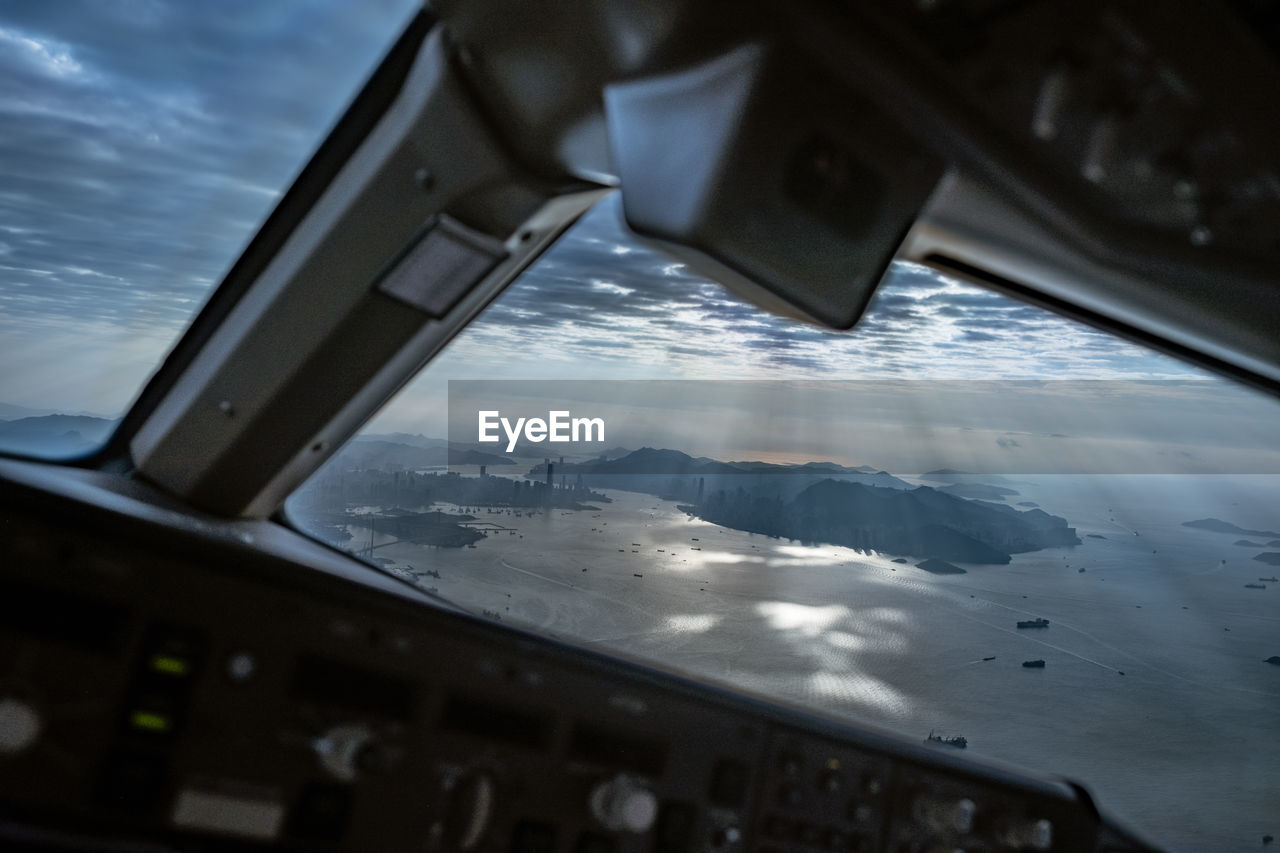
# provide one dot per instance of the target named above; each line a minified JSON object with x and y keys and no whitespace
{"x":169,"y":665}
{"x":150,"y":722}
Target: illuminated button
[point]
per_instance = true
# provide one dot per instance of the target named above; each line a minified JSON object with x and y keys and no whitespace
{"x":172,"y":651}
{"x":241,"y":666}
{"x":149,"y":721}
{"x":20,"y":725}
{"x":170,"y":665}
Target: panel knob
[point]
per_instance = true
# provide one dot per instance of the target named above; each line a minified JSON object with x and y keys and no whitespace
{"x":345,"y":751}
{"x":20,"y":725}
{"x":623,"y":804}
{"x":469,"y":811}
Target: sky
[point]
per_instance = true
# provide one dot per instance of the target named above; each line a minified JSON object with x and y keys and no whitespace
{"x":905,"y":426}
{"x":142,"y":142}
{"x":601,"y":304}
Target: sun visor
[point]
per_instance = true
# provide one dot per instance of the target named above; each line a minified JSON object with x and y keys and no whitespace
{"x":760,"y":171}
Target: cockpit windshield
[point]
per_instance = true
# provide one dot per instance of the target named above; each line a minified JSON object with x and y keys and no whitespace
{"x":143,"y":144}
{"x":967,"y":520}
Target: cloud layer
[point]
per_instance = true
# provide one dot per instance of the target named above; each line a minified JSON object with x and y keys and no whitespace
{"x":600,"y":300}
{"x":143,"y":143}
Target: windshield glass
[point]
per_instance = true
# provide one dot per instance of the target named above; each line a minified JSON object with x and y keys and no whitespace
{"x":143,"y":144}
{"x":967,"y":520}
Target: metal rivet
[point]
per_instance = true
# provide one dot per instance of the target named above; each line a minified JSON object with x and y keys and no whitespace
{"x":226,"y":408}
{"x":424,"y":180}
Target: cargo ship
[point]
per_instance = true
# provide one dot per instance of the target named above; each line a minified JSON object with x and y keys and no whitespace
{"x":1034,"y":623}
{"x":958,"y":741}
{"x":1033,"y":664}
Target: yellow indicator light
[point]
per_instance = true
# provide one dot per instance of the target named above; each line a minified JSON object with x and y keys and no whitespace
{"x":150,"y":722}
{"x":169,"y":665}
{"x":833,"y":764}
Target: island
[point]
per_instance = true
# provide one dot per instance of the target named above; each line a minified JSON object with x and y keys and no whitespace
{"x":939,"y":567}
{"x":1219,"y":526}
{"x":823,"y":502}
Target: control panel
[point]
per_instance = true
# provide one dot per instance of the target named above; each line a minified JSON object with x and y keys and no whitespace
{"x":168,"y":685}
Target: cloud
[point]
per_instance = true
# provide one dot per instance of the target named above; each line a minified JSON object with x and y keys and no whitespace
{"x":679,"y":323}
{"x":43,"y":57}
{"x":143,"y":144}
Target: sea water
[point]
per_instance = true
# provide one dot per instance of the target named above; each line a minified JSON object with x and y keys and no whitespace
{"x":1154,"y":695}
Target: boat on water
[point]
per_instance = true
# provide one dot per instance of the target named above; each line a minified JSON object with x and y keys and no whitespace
{"x":993,"y":657}
{"x":1272,"y":580}
{"x":1034,"y":623}
{"x":958,"y":741}
{"x":1033,"y":664}
{"x":1254,"y":586}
